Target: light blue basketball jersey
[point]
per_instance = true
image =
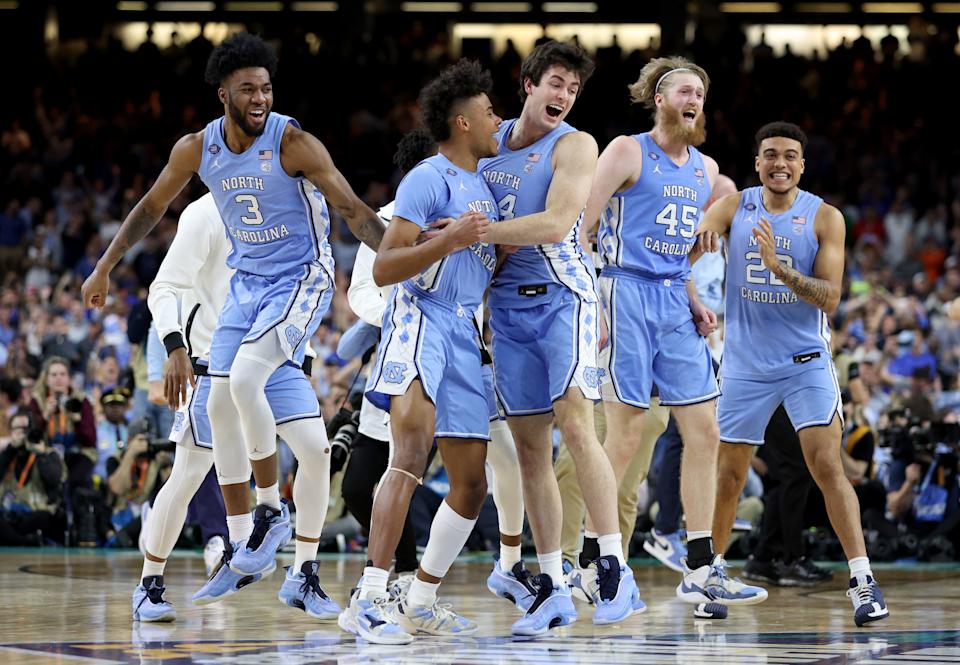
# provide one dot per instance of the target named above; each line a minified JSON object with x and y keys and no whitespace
{"x":650,"y":227}
{"x":437,"y":188}
{"x":770,"y":333}
{"x":276,"y":223}
{"x":520,"y":180}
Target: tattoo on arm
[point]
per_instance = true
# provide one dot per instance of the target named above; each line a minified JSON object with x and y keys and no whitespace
{"x":818,"y":292}
{"x":370,"y":232}
{"x":137,"y":225}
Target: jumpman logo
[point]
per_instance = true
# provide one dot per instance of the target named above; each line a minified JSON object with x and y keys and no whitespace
{"x":656,"y":169}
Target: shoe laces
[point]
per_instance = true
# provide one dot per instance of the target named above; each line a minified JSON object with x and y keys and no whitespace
{"x":608,"y":576}
{"x":544,"y":586}
{"x":524,"y":577}
{"x":261,"y":524}
{"x":863,"y":593}
{"x":443,"y":613}
{"x":311,"y":583}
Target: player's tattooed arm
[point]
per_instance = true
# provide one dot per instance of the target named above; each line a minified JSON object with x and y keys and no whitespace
{"x":822,"y":289}
{"x":302,"y":154}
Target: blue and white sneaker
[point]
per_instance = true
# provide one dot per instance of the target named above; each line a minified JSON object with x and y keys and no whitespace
{"x":552,"y":607}
{"x":271,"y":531}
{"x":868,"y":603}
{"x":617,"y":596}
{"x":667,"y":548}
{"x":148,"y":603}
{"x":301,"y":589}
{"x":710,"y":584}
{"x":516,"y":585}
{"x":224,"y":581}
{"x":372,"y":619}
{"x":436,"y":619}
{"x":582,"y":581}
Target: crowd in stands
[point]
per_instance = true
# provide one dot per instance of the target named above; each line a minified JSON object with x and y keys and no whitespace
{"x":78,"y":149}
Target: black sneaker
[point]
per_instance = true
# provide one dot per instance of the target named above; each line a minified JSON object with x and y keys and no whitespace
{"x":756,"y":570}
{"x":803,"y":572}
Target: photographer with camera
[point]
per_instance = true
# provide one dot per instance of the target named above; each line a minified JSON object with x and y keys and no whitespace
{"x":65,"y":416}
{"x":31,"y":485}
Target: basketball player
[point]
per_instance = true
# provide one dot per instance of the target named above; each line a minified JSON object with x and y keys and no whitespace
{"x":369,"y":301}
{"x":428,"y":372}
{"x":545,"y":321}
{"x":785,"y":251}
{"x":653,"y":186}
{"x":258,"y":165}
{"x":185,"y":300}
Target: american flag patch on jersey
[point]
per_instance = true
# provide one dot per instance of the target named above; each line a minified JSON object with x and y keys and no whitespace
{"x":799,"y":220}
{"x":533,"y":157}
{"x":266,"y":154}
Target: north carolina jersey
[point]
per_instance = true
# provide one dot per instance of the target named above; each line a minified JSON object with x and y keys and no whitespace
{"x":436,"y":188}
{"x":770,"y":332}
{"x":520,"y":180}
{"x":650,"y":227}
{"x":276,"y":223}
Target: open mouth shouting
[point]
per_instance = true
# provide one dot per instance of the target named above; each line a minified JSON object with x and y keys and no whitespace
{"x":554,"y":110}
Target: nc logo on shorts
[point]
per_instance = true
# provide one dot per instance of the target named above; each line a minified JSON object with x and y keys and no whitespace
{"x":178,"y":421}
{"x":393,"y":372}
{"x":592,"y":376}
{"x":293,"y":335}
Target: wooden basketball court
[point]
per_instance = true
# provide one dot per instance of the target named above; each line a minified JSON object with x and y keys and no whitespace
{"x":70,"y":606}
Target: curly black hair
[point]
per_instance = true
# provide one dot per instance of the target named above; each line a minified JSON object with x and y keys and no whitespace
{"x":238,"y":51}
{"x":568,"y":55}
{"x":458,"y":82}
{"x":786,"y":130}
{"x":415,"y":146}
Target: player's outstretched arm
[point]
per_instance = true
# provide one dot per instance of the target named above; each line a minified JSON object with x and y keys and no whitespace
{"x":303,"y":153}
{"x":714,"y":224}
{"x":618,"y":168}
{"x":576,"y":163}
{"x":401,"y":257}
{"x":184,"y":162}
{"x":822,"y":289}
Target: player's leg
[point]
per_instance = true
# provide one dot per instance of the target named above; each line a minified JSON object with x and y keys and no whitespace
{"x":190,"y":466}
{"x":419,"y":612}
{"x":666,"y":542}
{"x":814,"y":409}
{"x":307,"y":439}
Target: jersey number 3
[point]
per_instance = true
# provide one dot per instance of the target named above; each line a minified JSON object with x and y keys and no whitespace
{"x":253,"y":208}
{"x":688,"y":219}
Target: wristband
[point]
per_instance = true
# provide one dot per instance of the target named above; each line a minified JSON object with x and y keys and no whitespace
{"x":173,"y":341}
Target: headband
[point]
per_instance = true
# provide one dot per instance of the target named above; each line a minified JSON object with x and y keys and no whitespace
{"x":672,"y":71}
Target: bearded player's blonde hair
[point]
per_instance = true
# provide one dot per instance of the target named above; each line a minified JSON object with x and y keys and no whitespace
{"x":656,"y":77}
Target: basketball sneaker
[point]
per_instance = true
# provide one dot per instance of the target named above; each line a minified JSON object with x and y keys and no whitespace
{"x":667,"y":548}
{"x":301,"y":589}
{"x":372,"y":619}
{"x":552,"y":607}
{"x":148,"y":602}
{"x":435,"y":619}
{"x":212,"y":553}
{"x":710,"y":584}
{"x":617,"y":595}
{"x":868,"y":603}
{"x":516,"y":585}
{"x":271,"y":531}
{"x":766,"y":572}
{"x":582,"y":581}
{"x":224,"y":581}
{"x":401,"y":586}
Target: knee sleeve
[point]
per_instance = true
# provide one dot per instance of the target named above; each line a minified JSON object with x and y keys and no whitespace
{"x":311,"y":489}
{"x":229,"y":451}
{"x":507,"y":483}
{"x":248,"y":378}
{"x":169,"y":510}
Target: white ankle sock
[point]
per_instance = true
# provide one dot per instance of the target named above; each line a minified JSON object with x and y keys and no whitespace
{"x":611,"y":544}
{"x":269,"y":496}
{"x":151,"y":568}
{"x":509,"y":556}
{"x":374,"y":582}
{"x":422,"y":594}
{"x":305,"y":551}
{"x":551,"y":564}
{"x":859,"y":566}
{"x":240,"y":526}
